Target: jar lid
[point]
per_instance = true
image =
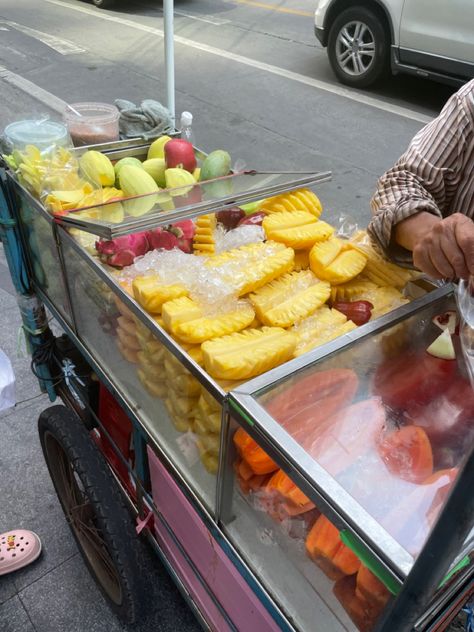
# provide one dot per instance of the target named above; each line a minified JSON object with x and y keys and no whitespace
{"x":41,"y":133}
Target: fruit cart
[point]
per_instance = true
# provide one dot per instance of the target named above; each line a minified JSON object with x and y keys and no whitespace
{"x":284,"y":485}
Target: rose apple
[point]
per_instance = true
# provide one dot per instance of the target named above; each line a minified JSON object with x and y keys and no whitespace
{"x":180,"y":153}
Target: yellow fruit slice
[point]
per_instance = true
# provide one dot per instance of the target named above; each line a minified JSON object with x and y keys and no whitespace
{"x":344,"y":267}
{"x":248,"y":268}
{"x":301,"y":260}
{"x":323,"y":253}
{"x":298,"y":229}
{"x":244,"y":355}
{"x":203,"y":241}
{"x":150,"y":293}
{"x":289,"y":298}
{"x":353,"y":290}
{"x":179,"y":311}
{"x":207,"y":327}
{"x":300,"y":200}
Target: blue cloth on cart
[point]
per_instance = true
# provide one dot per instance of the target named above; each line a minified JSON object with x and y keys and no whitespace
{"x":147,"y":120}
{"x":469,"y":610}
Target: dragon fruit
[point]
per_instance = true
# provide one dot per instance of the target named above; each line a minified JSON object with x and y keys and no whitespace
{"x":122,"y":251}
{"x":179,"y":235}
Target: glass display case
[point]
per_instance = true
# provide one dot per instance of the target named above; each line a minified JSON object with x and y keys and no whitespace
{"x":326,"y":474}
{"x":342,"y":460}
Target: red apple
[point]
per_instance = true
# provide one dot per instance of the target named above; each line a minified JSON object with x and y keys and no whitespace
{"x":255,"y":219}
{"x":180,"y":153}
{"x":230,"y":217}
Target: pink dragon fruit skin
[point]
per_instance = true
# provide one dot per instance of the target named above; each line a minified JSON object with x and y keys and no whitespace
{"x":122,"y":251}
{"x":187,"y":226}
{"x":162,"y":238}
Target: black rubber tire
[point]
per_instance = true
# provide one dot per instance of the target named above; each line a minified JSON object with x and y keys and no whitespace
{"x":104,"y":4}
{"x":381,"y":62}
{"x":60,"y":428}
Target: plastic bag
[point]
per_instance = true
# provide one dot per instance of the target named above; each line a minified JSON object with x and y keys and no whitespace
{"x":7,"y":383}
{"x":465,"y":301}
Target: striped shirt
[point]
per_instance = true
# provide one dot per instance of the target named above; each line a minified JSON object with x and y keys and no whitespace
{"x":435,"y":174}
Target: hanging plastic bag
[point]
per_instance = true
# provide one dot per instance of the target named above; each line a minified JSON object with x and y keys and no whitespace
{"x":465,"y":301}
{"x":7,"y":383}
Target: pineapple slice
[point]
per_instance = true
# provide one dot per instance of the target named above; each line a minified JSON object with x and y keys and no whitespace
{"x":156,"y":388}
{"x":248,"y":268}
{"x":298,"y":229}
{"x":323,"y":253}
{"x":150,"y":293}
{"x":289,"y":298}
{"x":317,"y":326}
{"x":353,"y":290}
{"x":301,"y":200}
{"x":301,"y":260}
{"x":203,"y":241}
{"x":378,"y":269}
{"x":178,"y":311}
{"x":187,"y":322}
{"x":324,"y":336}
{"x":244,"y":355}
{"x":344,"y":267}
{"x":202,"y":329}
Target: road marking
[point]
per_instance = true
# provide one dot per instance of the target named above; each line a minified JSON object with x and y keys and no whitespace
{"x":209,"y":19}
{"x":275,"y":70}
{"x":64,"y":47}
{"x":273,"y":7}
{"x":43,"y":96}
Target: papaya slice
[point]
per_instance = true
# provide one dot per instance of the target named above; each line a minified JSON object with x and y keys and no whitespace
{"x":325,"y":547}
{"x":370,"y":588}
{"x":249,"y":450}
{"x":407,"y":453}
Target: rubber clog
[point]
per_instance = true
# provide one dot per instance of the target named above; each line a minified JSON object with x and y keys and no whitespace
{"x":18,"y":549}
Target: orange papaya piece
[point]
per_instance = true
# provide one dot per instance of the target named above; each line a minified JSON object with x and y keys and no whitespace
{"x":370,"y":588}
{"x":257,"y":459}
{"x":407,"y":453}
{"x":325,"y":547}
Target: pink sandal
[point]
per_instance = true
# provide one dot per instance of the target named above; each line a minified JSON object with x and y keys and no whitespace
{"x":18,"y":549}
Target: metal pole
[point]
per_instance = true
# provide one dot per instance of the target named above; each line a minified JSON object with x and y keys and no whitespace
{"x":168,"y":8}
{"x":443,"y":544}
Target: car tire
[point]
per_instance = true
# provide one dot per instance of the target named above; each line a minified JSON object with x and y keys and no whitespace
{"x":95,"y":510}
{"x":104,"y":4}
{"x":358,"y":47}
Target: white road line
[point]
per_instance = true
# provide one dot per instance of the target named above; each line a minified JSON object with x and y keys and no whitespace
{"x":209,"y":19}
{"x":62,"y":46}
{"x":275,"y":70}
{"x":43,"y":96}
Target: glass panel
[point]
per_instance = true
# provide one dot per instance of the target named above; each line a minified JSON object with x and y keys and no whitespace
{"x":151,"y":207}
{"x":43,"y":255}
{"x":388,"y":420}
{"x":165,"y":396}
{"x":297,"y":552}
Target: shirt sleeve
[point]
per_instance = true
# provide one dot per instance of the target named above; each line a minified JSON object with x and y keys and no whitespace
{"x":425,"y":178}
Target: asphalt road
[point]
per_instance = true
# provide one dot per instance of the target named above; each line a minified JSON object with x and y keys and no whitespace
{"x":252,"y":73}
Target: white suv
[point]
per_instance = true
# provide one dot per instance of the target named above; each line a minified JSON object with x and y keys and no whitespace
{"x":428,"y":38}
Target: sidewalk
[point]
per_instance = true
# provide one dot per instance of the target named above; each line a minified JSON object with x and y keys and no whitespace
{"x":56,"y":593}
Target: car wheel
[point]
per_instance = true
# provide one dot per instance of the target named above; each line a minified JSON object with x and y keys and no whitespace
{"x":358,"y":47}
{"x":104,"y":4}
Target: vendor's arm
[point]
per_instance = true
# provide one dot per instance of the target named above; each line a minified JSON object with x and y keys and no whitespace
{"x":419,"y":190}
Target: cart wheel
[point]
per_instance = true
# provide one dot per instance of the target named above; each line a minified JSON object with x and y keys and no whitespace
{"x":96,"y":512}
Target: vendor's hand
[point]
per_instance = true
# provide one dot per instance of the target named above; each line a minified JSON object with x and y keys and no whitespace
{"x":446,"y":250}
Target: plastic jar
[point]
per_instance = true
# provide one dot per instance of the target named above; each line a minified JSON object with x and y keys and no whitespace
{"x":97,"y":123}
{"x":43,"y":134}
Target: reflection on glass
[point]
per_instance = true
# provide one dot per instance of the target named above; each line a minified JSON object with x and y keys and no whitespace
{"x":182,"y":196}
{"x":166,"y":397}
{"x":388,"y":420}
